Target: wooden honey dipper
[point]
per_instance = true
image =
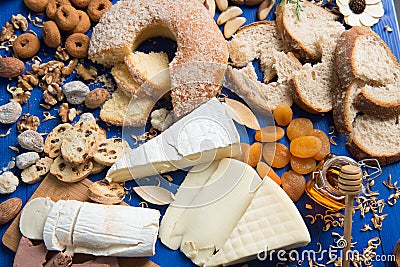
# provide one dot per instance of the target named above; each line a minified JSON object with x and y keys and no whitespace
{"x":350,"y":182}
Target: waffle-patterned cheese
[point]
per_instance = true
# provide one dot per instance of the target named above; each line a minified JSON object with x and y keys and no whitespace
{"x":271,"y":221}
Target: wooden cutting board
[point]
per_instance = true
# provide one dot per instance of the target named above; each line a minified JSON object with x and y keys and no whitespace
{"x":56,"y":190}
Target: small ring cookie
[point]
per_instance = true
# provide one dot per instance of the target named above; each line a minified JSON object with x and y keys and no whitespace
{"x":26,"y":45}
{"x":67,"y":17}
{"x":51,"y":34}
{"x":80,"y":3}
{"x":36,"y":5}
{"x":53,"y":5}
{"x":77,"y":45}
{"x":84,"y":23}
{"x":97,"y":8}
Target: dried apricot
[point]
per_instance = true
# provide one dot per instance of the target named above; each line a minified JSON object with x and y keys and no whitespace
{"x":276,"y":154}
{"x":305,"y":146}
{"x":263,"y":169}
{"x":326,"y":146}
{"x":253,"y":155}
{"x":293,"y":184}
{"x":299,"y":127}
{"x":283,"y":114}
{"x":269,"y":134}
{"x":303,"y":166}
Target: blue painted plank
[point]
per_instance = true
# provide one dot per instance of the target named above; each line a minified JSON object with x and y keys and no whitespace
{"x":165,"y":257}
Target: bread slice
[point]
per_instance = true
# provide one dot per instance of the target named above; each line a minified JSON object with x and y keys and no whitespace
{"x":123,"y":110}
{"x":380,"y":71}
{"x":373,"y":137}
{"x":255,"y":41}
{"x":150,"y":69}
{"x":259,"y":96}
{"x":125,"y":82}
{"x":313,"y":85}
{"x":303,"y":34}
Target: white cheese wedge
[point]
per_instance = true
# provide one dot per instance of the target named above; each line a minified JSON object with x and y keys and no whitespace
{"x":49,"y":231}
{"x":271,"y":221}
{"x":113,"y":230}
{"x":205,"y":135}
{"x":66,"y":222}
{"x":202,"y":222}
{"x":37,"y":208}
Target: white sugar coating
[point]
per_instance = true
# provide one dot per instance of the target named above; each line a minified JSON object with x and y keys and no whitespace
{"x":27,"y":159}
{"x":75,"y":92}
{"x":10,"y":112}
{"x":127,"y":23}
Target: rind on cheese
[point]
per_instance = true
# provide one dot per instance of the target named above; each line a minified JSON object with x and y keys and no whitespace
{"x":113,"y":230}
{"x":37,"y":208}
{"x":66,"y":222}
{"x":49,"y":231}
{"x":271,"y":221}
{"x":205,"y":135}
{"x":212,"y":212}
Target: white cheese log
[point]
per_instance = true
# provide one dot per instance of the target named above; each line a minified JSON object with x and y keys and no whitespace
{"x":271,"y":221}
{"x":208,"y":219}
{"x":66,"y":222}
{"x":37,"y":208}
{"x":205,"y":135}
{"x":49,"y":231}
{"x":111,"y":230}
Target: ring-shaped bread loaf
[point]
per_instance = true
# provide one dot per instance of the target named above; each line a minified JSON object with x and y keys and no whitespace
{"x":200,"y":61}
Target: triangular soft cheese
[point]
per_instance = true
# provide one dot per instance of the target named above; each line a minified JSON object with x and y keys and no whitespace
{"x":205,"y":135}
{"x":270,"y":222}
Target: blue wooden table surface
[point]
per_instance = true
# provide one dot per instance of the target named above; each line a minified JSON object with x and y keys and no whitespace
{"x":389,"y":234}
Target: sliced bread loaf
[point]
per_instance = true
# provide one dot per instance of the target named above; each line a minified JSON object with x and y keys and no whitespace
{"x":254,"y":41}
{"x":259,"y":96}
{"x":380,"y":71}
{"x":123,"y":110}
{"x":373,"y":137}
{"x":151,"y":68}
{"x":303,"y":34}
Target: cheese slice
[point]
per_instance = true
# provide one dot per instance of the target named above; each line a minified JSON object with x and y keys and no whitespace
{"x":66,"y":222}
{"x":201,"y":224}
{"x":271,"y":221}
{"x":49,"y":231}
{"x":205,"y":135}
{"x":37,"y":208}
{"x":113,"y":230}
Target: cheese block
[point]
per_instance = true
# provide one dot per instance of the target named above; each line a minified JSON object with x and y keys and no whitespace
{"x":113,"y":230}
{"x":49,"y":230}
{"x":37,"y":208}
{"x":205,"y":135}
{"x":271,"y":221}
{"x":66,"y":222}
{"x":201,"y":218}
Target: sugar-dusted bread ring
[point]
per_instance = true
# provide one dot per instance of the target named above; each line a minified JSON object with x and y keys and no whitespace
{"x":202,"y":49}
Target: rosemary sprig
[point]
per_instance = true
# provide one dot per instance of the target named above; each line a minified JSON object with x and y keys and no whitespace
{"x":297,"y":9}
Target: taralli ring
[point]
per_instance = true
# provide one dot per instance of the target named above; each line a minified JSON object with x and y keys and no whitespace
{"x":36,"y":5}
{"x":51,"y":34}
{"x":83,"y":24}
{"x":53,"y":5}
{"x":26,"y":45}
{"x":97,"y":8}
{"x":77,"y":45}
{"x":67,"y":18}
{"x":80,"y":3}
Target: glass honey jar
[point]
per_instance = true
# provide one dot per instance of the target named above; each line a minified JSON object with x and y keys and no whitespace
{"x":323,"y":184}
